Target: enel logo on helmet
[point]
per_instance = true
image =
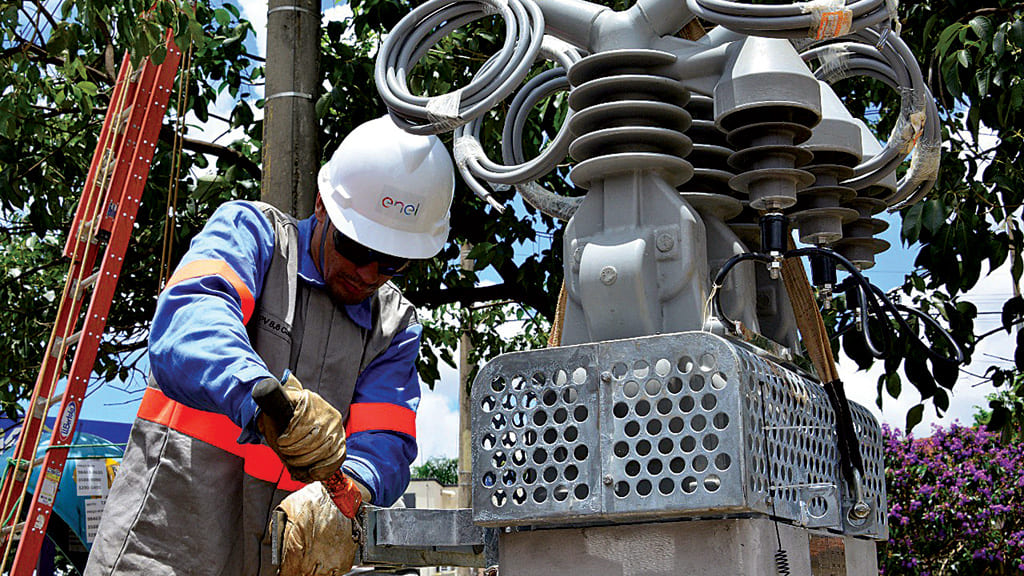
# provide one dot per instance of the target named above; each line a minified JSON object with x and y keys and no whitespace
{"x":403,"y":208}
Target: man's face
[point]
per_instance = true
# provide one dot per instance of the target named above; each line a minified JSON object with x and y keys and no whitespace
{"x":349,"y":281}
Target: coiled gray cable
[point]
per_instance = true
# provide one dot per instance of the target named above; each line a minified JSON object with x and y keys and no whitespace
{"x":424,"y":27}
{"x":795,"y":20}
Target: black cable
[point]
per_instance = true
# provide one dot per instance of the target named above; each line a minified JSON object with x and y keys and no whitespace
{"x":724,"y":271}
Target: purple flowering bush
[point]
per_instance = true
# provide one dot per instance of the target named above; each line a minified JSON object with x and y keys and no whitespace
{"x":956,"y":504}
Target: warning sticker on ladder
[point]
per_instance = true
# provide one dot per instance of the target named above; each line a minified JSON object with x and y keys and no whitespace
{"x":48,"y":490}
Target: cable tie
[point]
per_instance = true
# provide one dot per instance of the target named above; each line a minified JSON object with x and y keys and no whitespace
{"x":443,"y":111}
{"x":275,"y":95}
{"x":829,"y":18}
{"x":834,"y":62}
{"x":466,"y":148}
{"x":893,"y":7}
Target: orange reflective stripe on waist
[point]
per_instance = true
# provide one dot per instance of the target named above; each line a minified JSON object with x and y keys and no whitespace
{"x":199,"y":268}
{"x":219,"y":431}
{"x":365,"y":416}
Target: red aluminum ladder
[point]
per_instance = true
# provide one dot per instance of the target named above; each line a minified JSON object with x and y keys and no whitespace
{"x":106,"y":212}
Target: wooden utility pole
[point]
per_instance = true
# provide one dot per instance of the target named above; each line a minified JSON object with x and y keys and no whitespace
{"x":465,"y":409}
{"x":290,"y":147}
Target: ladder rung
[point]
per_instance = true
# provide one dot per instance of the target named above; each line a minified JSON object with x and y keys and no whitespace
{"x":59,"y":343}
{"x":86,"y":283}
{"x":85,"y":230}
{"x":40,"y":408}
{"x":119,"y":121}
{"x":38,"y":461}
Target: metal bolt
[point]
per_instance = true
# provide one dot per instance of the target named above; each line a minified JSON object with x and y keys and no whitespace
{"x":665,"y":242}
{"x":608,"y":275}
{"x":577,"y":254}
{"x":607,"y":480}
{"x":606,"y":376}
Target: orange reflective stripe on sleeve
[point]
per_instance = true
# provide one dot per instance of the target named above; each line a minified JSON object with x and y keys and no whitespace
{"x":199,"y":268}
{"x":219,"y":431}
{"x":380,"y":416}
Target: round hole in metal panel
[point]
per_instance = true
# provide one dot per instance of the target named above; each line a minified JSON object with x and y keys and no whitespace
{"x":571,"y":472}
{"x":518,"y":419}
{"x":644,"y":487}
{"x":579,"y":375}
{"x":674,"y":385}
{"x":622,"y":489}
{"x":689,"y":484}
{"x":499,"y":459}
{"x":642,"y":408}
{"x":643,"y":447}
{"x":632,"y":428}
{"x":498,"y":498}
{"x":686,"y":404}
{"x":621,"y":449}
{"x":722,"y":462}
{"x":508,"y":439}
{"x":561,"y":492}
{"x":571,"y":434}
{"x":570,"y":395}
{"x":719,"y":381}
{"x":529,"y":400}
{"x":654,"y":427}
{"x":685,"y":364}
{"x":540,"y":456}
{"x":654,"y":467}
{"x":688,"y":444}
{"x":620,"y":409}
{"x":519,"y":457}
{"x":550,"y":436}
{"x":698,"y":423}
{"x":580,"y":414}
{"x":488,"y":403}
{"x":550,"y":474}
{"x":580,"y":452}
{"x":581,"y":491}
{"x":539,"y":379}
{"x":708,"y":402}
{"x":641,"y":369}
{"x":666,"y":486}
{"x":489,"y":479}
{"x":710,"y":442}
{"x":529,"y":476}
{"x":721,"y":421}
{"x":561,"y":415}
{"x":508,"y":477}
{"x":675,"y":425}
{"x":530,"y":437}
{"x":712,"y":483}
{"x":697,"y":382}
{"x":498,"y":421}
{"x":549,"y":398}
{"x":560,"y":454}
{"x":498,"y":384}
{"x":540,"y":418}
{"x":488,"y":441}
{"x":653,"y":387}
{"x":632,"y":468}
{"x":518,"y":382}
{"x":540,"y":494}
{"x":817,"y":507}
{"x":677,"y":465}
{"x":662,"y":367}
{"x":630,"y":389}
{"x":519,"y":496}
{"x":561,"y":377}
{"x":664,"y":406}
{"x":700,"y":463}
{"x":708,"y":362}
{"x":665,"y":446}
{"x":619,"y":369}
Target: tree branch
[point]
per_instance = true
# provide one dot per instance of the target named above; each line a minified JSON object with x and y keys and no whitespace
{"x":468,"y":296}
{"x":223,"y":152}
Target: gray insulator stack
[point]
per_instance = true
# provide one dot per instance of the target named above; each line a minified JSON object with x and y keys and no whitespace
{"x":859,"y":244}
{"x":628,"y":117}
{"x":711,"y":151}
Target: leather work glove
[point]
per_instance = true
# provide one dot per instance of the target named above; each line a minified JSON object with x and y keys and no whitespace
{"x":317,"y":540}
{"x":312,"y":447}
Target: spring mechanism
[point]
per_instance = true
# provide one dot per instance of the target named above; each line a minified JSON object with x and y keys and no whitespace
{"x":628,"y":117}
{"x":782,"y":562}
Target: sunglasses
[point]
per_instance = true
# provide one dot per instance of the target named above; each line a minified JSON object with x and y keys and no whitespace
{"x":361,"y":256}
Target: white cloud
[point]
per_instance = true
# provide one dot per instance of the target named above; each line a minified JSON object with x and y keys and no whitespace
{"x":437,"y":420}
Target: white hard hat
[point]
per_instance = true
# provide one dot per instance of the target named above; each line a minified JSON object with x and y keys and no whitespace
{"x":390,"y":190}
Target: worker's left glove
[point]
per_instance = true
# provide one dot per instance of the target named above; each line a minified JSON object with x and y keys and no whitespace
{"x":317,"y":540}
{"x":312,"y":447}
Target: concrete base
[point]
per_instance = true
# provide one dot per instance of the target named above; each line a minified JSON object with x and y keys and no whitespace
{"x":735,"y":547}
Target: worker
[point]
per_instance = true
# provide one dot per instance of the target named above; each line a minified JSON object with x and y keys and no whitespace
{"x":261,"y":295}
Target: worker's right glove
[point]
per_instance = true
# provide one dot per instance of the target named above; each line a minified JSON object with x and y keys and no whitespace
{"x":312,"y":447}
{"x":317,"y":539}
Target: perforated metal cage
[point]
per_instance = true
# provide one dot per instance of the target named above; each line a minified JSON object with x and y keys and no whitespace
{"x":676,"y":425}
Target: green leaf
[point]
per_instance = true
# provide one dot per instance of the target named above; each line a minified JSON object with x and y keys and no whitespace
{"x":946,"y":38}
{"x":933,"y":215}
{"x":999,"y":42}
{"x":914,"y":416}
{"x":87,"y":87}
{"x":1017,"y":33}
{"x":982,"y":26}
{"x":964,"y":58}
{"x":893,"y":384}
{"x":1013,"y":310}
{"x":911,"y":230}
